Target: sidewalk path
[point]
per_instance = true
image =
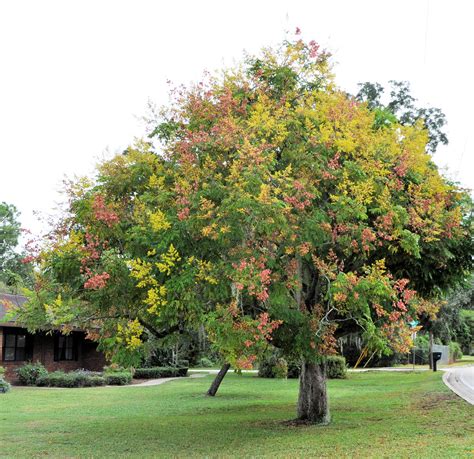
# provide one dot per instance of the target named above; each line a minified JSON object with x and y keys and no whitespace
{"x":461,"y":381}
{"x":157,"y":382}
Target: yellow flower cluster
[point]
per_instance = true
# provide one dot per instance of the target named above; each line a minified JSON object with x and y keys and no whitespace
{"x":130,"y":334}
{"x":156,"y":297}
{"x":168,"y":260}
{"x":158,"y":221}
{"x":155,"y":182}
{"x":142,"y":271}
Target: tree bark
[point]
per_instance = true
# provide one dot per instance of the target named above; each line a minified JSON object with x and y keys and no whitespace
{"x":313,"y":405}
{"x":218,"y":379}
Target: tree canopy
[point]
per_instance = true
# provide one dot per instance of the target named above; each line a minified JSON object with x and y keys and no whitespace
{"x":266,"y":204}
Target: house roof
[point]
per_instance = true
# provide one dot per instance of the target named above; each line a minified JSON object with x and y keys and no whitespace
{"x":6,"y":300}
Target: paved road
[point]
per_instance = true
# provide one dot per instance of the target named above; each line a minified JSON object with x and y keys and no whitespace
{"x":461,"y":381}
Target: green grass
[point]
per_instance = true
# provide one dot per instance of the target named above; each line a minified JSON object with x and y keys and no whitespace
{"x":375,"y":414}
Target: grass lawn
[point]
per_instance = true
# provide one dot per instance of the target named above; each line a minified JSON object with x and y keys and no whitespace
{"x":375,"y":414}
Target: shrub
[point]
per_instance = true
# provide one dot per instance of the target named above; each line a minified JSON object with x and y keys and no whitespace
{"x":118,"y":379}
{"x":336,"y":367}
{"x":294,"y":369}
{"x":30,"y":372}
{"x":4,"y":386}
{"x":273,"y":366}
{"x":93,"y":381}
{"x":266,"y":367}
{"x":88,"y":372}
{"x":182,"y":371}
{"x":160,"y":372}
{"x":80,"y":378}
{"x":2,"y":372}
{"x":455,"y":352}
{"x":114,"y":368}
{"x":56,"y":379}
{"x":280,"y":370}
{"x":204,"y":362}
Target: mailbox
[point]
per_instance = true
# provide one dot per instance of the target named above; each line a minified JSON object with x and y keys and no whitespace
{"x":436,"y":356}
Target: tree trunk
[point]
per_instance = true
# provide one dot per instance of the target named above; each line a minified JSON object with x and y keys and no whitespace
{"x":218,"y":379}
{"x":313,"y":403}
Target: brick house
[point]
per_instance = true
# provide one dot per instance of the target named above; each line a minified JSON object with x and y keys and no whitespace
{"x":53,"y":349}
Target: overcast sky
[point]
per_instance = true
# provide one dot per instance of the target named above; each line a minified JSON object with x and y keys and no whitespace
{"x":75,"y":76}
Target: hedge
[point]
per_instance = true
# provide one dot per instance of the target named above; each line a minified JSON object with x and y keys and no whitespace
{"x":118,"y":378}
{"x":73,"y":379}
{"x":160,"y":372}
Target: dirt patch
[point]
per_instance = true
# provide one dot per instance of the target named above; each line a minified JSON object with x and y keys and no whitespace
{"x":298,"y":423}
{"x":273,"y":424}
{"x":431,"y":401}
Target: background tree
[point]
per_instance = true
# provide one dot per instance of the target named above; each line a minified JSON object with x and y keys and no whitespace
{"x":455,"y":319}
{"x":271,"y":208}
{"x":401,"y":107}
{"x":13,"y":272}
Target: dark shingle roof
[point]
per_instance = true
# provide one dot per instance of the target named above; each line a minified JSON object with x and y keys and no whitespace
{"x":7,"y":299}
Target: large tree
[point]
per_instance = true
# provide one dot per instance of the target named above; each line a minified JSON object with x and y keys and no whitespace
{"x":270,"y":206}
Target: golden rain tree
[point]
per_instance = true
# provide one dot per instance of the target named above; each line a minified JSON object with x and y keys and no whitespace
{"x":268,"y":205}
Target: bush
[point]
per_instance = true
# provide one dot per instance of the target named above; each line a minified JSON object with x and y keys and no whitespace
{"x":204,"y":362}
{"x":294,"y":369}
{"x":80,"y":378}
{"x":87,"y":372}
{"x":56,"y":379}
{"x":30,"y":372}
{"x":266,"y":367}
{"x":455,"y":352}
{"x":4,"y":386}
{"x":160,"y":372}
{"x":273,"y":366}
{"x":118,"y":379}
{"x":2,"y":372}
{"x":182,"y":371}
{"x":114,"y":368}
{"x":280,"y":370}
{"x":336,"y":367}
{"x":94,"y":381}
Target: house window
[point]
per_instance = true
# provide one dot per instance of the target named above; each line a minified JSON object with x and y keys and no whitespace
{"x":65,"y":347}
{"x":17,"y":346}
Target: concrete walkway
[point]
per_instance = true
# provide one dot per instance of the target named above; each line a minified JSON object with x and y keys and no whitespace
{"x":157,"y":382}
{"x":461,"y":381}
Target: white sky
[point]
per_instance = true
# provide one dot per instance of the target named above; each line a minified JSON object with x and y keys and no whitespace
{"x":75,"y":76}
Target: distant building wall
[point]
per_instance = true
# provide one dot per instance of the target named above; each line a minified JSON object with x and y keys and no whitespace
{"x":43,"y":351}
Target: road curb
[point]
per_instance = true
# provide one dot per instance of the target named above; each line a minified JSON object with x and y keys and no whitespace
{"x":452,"y":378}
